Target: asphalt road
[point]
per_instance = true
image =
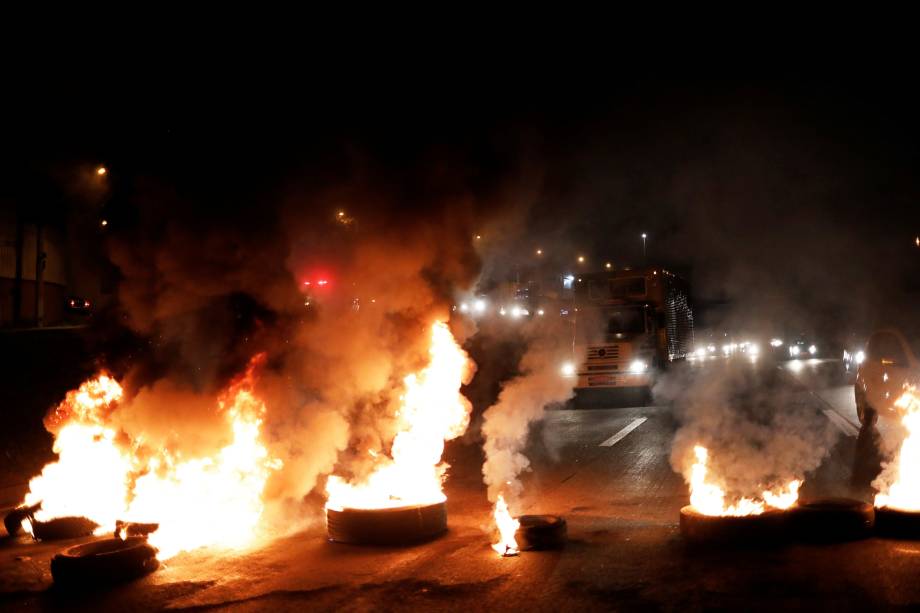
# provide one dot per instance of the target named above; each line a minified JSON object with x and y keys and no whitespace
{"x":607,"y":471}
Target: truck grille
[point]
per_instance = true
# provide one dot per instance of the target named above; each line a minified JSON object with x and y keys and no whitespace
{"x":606,"y":352}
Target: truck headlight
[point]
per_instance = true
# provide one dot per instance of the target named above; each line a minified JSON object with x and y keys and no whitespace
{"x":794,"y":350}
{"x":567,"y":369}
{"x":637,"y":367}
{"x":812,"y":349}
{"x":860,"y":357}
{"x":479,"y":306}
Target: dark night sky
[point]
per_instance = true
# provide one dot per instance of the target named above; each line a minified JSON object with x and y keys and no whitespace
{"x":783,"y":194}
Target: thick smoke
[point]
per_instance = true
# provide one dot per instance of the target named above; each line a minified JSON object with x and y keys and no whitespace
{"x":205,"y":290}
{"x":522,"y":401}
{"x":759,"y":433}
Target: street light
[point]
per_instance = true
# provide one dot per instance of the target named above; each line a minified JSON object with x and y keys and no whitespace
{"x":101,"y":171}
{"x":581,"y":259}
{"x":608,"y":265}
{"x":644,"y":236}
{"x":539,"y":252}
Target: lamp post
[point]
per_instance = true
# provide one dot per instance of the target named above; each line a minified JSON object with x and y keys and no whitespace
{"x":644,"y":237}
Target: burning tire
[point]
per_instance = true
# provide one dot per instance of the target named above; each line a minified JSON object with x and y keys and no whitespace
{"x":398,"y":526}
{"x":897,"y":523}
{"x":538,"y":532}
{"x":832,"y":520}
{"x":62,"y":528}
{"x":765,"y":528}
{"x":107,"y":561}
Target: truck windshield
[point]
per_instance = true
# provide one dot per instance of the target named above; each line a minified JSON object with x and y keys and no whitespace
{"x":625,"y":320}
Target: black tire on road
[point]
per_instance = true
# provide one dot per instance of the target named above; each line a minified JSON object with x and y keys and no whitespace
{"x":767,"y":528}
{"x":897,"y":523}
{"x":108,"y":560}
{"x":830,"y":520}
{"x":539,"y":532}
{"x":398,"y":526}
{"x":62,"y":528}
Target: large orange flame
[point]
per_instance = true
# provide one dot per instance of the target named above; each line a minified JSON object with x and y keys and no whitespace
{"x":709,"y":499}
{"x":507,"y":526}
{"x":204,"y":501}
{"x":902,"y":489}
{"x":432,"y":411}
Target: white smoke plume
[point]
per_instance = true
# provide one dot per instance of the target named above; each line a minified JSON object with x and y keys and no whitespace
{"x":522,"y":401}
{"x":760,"y":433}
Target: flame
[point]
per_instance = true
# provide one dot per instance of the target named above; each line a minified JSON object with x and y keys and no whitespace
{"x":507,"y":526}
{"x":205,"y":501}
{"x":709,"y":499}
{"x":904,"y":489}
{"x":432,"y":411}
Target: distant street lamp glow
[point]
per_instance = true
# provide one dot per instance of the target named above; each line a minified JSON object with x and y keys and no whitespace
{"x":104,"y":223}
{"x":581,"y":259}
{"x":776,"y":342}
{"x":539,"y":252}
{"x":567,"y":369}
{"x":608,"y":265}
{"x":101,"y":171}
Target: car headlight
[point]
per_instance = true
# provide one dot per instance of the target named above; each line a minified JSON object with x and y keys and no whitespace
{"x":812,"y":349}
{"x":479,"y":306}
{"x":860,"y":357}
{"x":637,"y":367}
{"x":567,"y":369}
{"x":776,"y":342}
{"x":794,"y":350}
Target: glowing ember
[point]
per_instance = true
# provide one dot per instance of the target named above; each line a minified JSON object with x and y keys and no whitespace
{"x":900,"y":479}
{"x":101,"y":475}
{"x":709,"y":499}
{"x":432,"y":411}
{"x":507,"y":526}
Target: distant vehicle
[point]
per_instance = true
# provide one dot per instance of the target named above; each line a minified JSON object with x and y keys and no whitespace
{"x":892,"y":360}
{"x":802,"y":349}
{"x":628,"y":325}
{"x":75,"y":304}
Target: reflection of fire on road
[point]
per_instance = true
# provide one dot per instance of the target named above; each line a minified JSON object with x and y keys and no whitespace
{"x":432,"y":411}
{"x":709,"y":499}
{"x":899,"y":483}
{"x":105,"y":475}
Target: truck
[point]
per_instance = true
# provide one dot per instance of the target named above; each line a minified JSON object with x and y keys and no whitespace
{"x":628,"y":326}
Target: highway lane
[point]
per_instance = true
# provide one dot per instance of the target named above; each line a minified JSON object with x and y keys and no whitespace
{"x":606,"y":470}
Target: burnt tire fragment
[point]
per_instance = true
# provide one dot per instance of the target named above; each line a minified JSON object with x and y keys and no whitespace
{"x":110,"y":560}
{"x":397,"y":526}
{"x":830,"y":520}
{"x":539,"y":532}
{"x":62,"y":528}
{"x":897,"y":523}
{"x":765,"y":529}
{"x":13,"y":520}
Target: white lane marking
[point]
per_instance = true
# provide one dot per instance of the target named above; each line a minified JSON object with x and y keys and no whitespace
{"x":619,"y":436}
{"x":845,"y":426}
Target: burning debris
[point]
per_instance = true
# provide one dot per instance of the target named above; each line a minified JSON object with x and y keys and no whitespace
{"x":507,"y":527}
{"x":897,"y":504}
{"x":709,"y":499}
{"x":104,"y":475}
{"x":506,"y":424}
{"x":708,"y":519}
{"x":744,"y":453}
{"x":431,"y":411}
